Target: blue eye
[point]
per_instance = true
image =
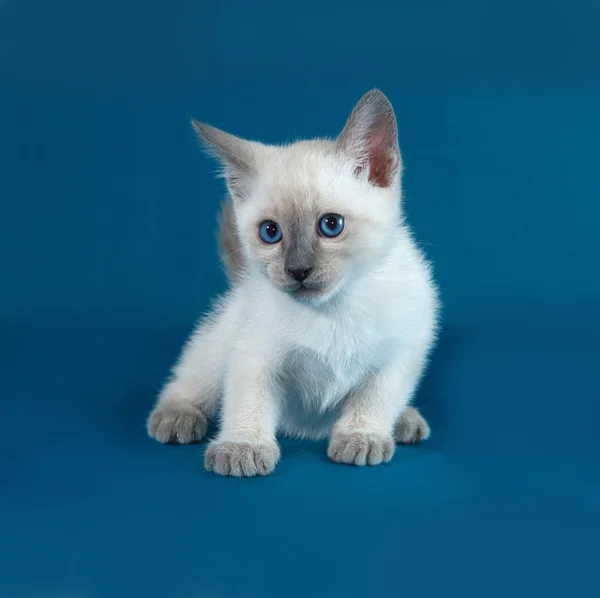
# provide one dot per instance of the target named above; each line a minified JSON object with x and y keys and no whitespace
{"x":269,"y":232}
{"x":331,"y":225}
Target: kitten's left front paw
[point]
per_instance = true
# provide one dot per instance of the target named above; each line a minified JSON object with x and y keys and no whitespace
{"x":359,"y":448}
{"x":241,"y":459}
{"x":411,"y":427}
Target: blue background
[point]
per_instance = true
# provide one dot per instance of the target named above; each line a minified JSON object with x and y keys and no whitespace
{"x":107,"y":256}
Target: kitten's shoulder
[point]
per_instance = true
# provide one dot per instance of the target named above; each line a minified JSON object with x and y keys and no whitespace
{"x":404,"y":283}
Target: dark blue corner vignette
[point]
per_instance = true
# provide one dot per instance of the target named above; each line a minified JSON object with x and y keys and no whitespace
{"x":107,"y":257}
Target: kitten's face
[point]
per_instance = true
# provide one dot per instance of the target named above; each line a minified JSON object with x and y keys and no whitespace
{"x":310,"y":224}
{"x":315,"y":215}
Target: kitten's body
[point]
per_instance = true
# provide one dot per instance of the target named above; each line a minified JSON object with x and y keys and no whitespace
{"x":340,"y":355}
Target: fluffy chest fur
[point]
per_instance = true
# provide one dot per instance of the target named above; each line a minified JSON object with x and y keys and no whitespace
{"x":332,"y":355}
{"x":329,"y":357}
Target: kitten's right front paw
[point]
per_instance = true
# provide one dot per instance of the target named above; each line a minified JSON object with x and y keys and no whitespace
{"x":177,"y":424}
{"x":241,"y":459}
{"x":360,"y":448}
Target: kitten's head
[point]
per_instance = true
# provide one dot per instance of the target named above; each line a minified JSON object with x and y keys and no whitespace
{"x":315,"y":215}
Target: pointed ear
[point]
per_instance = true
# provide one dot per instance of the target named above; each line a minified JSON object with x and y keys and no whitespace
{"x":370,"y":139}
{"x":237,"y":156}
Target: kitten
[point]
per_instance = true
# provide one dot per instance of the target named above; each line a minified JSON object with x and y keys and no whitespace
{"x":332,"y":311}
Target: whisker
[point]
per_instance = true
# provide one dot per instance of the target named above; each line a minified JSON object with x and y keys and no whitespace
{"x":222,"y":259}
{"x":427,"y":243}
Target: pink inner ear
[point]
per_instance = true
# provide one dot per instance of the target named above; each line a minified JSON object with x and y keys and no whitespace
{"x":381,"y":164}
{"x":377,"y":138}
{"x":380,"y":171}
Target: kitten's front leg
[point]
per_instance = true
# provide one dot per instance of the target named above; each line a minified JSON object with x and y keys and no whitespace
{"x":246,"y":444}
{"x":193,"y":392}
{"x":364,"y":434}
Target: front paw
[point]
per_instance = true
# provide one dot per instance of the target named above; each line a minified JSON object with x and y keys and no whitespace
{"x":241,"y":459}
{"x":360,"y":448}
{"x":177,"y":424}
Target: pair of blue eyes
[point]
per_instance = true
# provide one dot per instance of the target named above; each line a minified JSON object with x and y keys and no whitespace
{"x":331,"y":225}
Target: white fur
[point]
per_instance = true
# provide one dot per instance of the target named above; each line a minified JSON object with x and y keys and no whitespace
{"x":346,"y":364}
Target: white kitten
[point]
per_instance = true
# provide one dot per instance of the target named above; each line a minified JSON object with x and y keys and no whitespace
{"x":331,"y":313}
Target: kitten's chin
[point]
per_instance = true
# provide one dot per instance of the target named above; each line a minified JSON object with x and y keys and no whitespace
{"x":307,"y":294}
{"x":313,"y":296}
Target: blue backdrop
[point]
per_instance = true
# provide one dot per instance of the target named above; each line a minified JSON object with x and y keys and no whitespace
{"x":107,"y":256}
